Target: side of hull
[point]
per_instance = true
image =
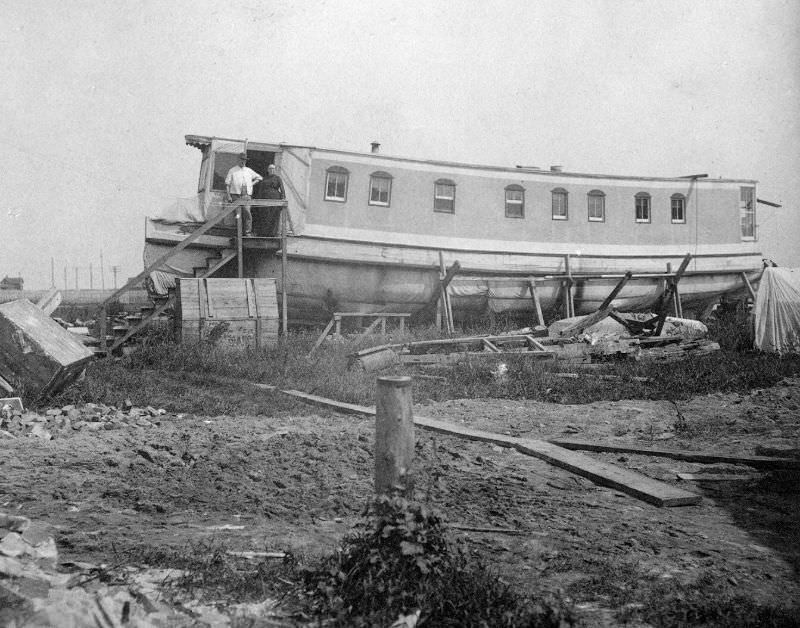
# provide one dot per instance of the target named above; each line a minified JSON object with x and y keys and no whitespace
{"x":324,"y":275}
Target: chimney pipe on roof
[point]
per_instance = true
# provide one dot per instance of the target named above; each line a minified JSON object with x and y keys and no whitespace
{"x":376,"y":147}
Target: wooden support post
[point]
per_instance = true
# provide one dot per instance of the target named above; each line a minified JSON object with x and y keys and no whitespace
{"x":322,"y":337}
{"x":537,"y":304}
{"x":102,"y":330}
{"x":284,"y":304}
{"x":394,"y":436}
{"x":447,"y":308}
{"x":667,"y":296}
{"x":338,"y":321}
{"x":749,"y":287}
{"x":239,"y":257}
{"x":570,"y":301}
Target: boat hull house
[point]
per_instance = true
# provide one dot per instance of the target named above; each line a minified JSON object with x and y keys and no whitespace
{"x":367,"y":232}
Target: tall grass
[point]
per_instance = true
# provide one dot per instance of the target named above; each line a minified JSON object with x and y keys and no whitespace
{"x":326,"y":372}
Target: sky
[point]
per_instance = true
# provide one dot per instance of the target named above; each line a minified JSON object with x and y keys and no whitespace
{"x":98,"y":95}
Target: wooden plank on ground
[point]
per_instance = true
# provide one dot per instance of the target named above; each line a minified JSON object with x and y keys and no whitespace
{"x":604,"y":474}
{"x":757,"y":462}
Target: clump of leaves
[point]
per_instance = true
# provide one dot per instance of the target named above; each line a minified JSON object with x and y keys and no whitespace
{"x":400,"y":561}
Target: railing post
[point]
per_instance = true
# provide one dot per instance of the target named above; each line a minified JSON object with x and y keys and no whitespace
{"x":394,"y":436}
{"x":239,"y":259}
{"x":284,"y":305}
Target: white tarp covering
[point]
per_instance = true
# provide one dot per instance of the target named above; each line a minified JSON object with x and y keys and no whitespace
{"x":777,"y":311}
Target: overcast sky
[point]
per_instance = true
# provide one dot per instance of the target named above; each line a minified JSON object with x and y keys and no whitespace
{"x":98,"y":94}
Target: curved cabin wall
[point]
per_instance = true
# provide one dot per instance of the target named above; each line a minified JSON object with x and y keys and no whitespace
{"x":711,"y":207}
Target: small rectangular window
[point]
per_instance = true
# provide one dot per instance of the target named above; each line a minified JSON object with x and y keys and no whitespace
{"x":747,"y":213}
{"x":336,"y":185}
{"x":444,"y":197}
{"x":559,"y":205}
{"x":678,"y":209}
{"x":597,"y":207}
{"x":642,"y":208}
{"x":515,"y":202}
{"x":380,"y":190}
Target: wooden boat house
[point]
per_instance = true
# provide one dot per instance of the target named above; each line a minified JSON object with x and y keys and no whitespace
{"x":368,"y":232}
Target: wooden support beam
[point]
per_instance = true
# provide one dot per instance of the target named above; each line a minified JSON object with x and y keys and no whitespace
{"x":667,"y":295}
{"x":447,"y":308}
{"x":604,"y":474}
{"x":749,"y":287}
{"x":602,"y":312}
{"x":322,"y":336}
{"x":487,"y":344}
{"x":536,"y":302}
{"x":570,"y":303}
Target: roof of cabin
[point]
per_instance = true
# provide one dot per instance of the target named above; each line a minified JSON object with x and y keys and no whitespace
{"x":204,"y":141}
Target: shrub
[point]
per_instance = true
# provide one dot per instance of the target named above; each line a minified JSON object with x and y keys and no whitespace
{"x":400,"y":560}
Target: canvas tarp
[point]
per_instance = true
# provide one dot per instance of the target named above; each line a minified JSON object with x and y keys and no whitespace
{"x":777,"y":311}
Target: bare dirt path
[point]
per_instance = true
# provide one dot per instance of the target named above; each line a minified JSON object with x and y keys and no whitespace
{"x":295,"y":479}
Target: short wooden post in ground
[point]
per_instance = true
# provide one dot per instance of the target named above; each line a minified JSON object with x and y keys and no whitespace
{"x":394,"y":436}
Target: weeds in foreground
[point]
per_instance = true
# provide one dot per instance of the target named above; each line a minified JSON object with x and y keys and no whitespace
{"x":400,"y":562}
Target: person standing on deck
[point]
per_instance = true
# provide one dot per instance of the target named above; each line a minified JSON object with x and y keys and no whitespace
{"x":239,"y":187}
{"x":271,"y":188}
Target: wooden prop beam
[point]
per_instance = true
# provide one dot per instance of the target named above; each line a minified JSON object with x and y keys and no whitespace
{"x":666,"y":297}
{"x":536,"y":302}
{"x":601,"y":313}
{"x":757,"y":462}
{"x":604,"y":474}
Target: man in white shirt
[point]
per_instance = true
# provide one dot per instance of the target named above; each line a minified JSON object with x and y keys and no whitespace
{"x":239,"y":188}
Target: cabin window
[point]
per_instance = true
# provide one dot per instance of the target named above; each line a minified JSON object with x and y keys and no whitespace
{"x":747,"y":213}
{"x":380,"y":189}
{"x":336,"y":184}
{"x":597,"y":206}
{"x":642,"y":207}
{"x":515,"y":201}
{"x":678,"y":208}
{"x":559,"y":204}
{"x":444,"y":196}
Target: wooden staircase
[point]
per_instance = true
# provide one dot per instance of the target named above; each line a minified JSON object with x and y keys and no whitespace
{"x":134,"y":323}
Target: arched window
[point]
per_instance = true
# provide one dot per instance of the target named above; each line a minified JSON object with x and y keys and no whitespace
{"x":336,"y":179}
{"x":642,"y":207}
{"x":444,"y":196}
{"x":559,"y":204}
{"x":380,"y":189}
{"x":515,"y":201}
{"x":596,"y":200}
{"x":678,"y":208}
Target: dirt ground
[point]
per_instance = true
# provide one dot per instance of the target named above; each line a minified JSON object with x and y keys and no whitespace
{"x":295,"y":478}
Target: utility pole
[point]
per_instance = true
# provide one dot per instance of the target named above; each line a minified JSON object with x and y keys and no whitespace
{"x":115,"y":270}
{"x":102,"y":274}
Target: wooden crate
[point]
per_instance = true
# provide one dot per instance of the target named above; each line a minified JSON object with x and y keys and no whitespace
{"x":36,"y":351}
{"x":236,"y":312}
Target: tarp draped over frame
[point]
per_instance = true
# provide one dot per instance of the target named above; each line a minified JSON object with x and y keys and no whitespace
{"x":777,"y":311}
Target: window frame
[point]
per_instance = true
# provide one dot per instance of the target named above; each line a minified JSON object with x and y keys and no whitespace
{"x":672,"y":200}
{"x":643,"y":200}
{"x":452,"y":199}
{"x":562,"y":193}
{"x":747,"y":213}
{"x":515,"y":187}
{"x":336,"y":171}
{"x":601,"y":198}
{"x":380,"y":175}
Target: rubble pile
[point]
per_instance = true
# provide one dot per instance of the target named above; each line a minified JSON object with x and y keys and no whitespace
{"x":61,"y":422}
{"x":37,"y":591}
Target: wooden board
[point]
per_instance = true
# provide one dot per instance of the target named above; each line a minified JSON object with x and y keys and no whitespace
{"x":604,"y":474}
{"x":37,"y":351}
{"x":238,"y":312}
{"x":757,"y":462}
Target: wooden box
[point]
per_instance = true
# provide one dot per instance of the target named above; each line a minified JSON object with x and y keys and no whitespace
{"x":37,"y":352}
{"x":236,"y":312}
